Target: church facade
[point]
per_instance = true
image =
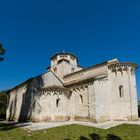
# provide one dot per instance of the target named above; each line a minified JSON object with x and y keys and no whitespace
{"x":67,"y":91}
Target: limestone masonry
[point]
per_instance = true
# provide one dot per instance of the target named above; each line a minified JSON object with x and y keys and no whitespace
{"x":103,"y":92}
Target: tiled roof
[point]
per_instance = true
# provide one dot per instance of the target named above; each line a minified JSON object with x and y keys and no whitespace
{"x":85,"y":69}
{"x":55,"y":87}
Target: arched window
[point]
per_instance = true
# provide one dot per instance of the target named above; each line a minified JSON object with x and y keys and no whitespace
{"x":58,"y":102}
{"x":81,"y":99}
{"x":121,"y":91}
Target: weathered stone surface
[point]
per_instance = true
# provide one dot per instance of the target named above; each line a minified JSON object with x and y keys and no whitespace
{"x":104,"y":92}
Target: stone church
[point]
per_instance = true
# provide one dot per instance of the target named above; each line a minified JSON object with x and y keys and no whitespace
{"x":67,"y":91}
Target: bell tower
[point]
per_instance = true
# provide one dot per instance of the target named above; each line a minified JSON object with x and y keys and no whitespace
{"x":64,"y":63}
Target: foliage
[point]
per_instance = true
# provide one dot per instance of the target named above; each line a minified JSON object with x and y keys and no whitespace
{"x":2,"y":52}
{"x":71,"y":132}
{"x":139,"y":108}
{"x":2,"y":105}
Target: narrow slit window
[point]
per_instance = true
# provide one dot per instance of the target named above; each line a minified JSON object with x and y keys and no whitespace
{"x":58,"y":102}
{"x":55,"y":70}
{"x":81,"y":99}
{"x":121,"y":91}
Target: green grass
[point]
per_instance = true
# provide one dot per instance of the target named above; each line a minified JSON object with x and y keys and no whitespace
{"x":71,"y":132}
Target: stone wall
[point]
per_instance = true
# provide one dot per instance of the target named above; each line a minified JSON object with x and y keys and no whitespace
{"x":125,"y":107}
{"x":79,"y":102}
{"x":64,"y":68}
{"x":51,"y":106}
{"x":95,"y":94}
{"x":14,"y":105}
{"x":101,"y":86}
{"x":92,"y":101}
{"x":28,"y":103}
{"x":50,"y":79}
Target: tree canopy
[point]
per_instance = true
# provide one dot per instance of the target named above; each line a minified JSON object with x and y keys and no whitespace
{"x":2,"y":105}
{"x":2,"y":52}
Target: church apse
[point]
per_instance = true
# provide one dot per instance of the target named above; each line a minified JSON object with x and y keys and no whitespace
{"x":123,"y":91}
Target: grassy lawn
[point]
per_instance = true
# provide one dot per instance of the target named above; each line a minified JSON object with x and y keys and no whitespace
{"x":71,"y":132}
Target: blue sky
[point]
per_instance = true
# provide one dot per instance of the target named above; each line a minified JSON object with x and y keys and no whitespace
{"x":32,"y":31}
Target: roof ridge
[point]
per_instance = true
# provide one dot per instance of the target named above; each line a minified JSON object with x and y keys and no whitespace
{"x":85,"y":69}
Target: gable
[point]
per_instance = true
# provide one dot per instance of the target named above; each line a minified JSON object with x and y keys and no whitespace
{"x":50,"y":79}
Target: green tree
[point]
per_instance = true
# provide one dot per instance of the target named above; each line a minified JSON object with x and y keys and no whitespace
{"x":139,"y":108}
{"x":2,"y":105}
{"x":2,"y":52}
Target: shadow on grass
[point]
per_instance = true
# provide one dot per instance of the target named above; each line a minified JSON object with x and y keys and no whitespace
{"x":113,"y":137}
{"x":93,"y":137}
{"x":97,"y":137}
{"x":10,"y":126}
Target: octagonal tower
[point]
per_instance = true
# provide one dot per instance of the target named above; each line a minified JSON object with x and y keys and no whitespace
{"x":64,"y":63}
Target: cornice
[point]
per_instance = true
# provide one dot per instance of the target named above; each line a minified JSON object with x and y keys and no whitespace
{"x":123,"y":64}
